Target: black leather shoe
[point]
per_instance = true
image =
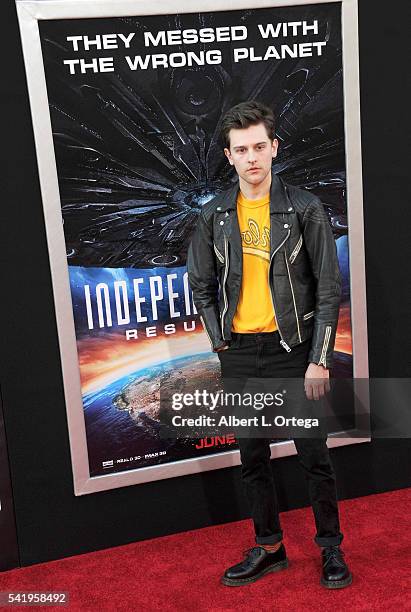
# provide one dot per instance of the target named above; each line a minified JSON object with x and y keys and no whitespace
{"x":336,"y":574}
{"x":258,"y":563}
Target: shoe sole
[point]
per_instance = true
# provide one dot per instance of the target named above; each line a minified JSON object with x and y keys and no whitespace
{"x":337,"y":584}
{"x":268,"y":570}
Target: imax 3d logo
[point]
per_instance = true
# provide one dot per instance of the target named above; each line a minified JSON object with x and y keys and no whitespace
{"x":107,"y":464}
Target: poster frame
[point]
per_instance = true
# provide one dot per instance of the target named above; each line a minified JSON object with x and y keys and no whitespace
{"x":30,"y":12}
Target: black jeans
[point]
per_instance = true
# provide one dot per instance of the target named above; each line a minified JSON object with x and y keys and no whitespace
{"x":261,"y":355}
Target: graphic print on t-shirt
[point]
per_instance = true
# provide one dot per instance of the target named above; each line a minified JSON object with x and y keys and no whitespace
{"x":256,"y":240}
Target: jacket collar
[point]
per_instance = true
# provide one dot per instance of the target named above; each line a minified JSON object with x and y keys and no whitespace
{"x":279,"y":202}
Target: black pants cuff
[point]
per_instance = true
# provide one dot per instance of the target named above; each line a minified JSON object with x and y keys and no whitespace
{"x":272,"y":539}
{"x":329,"y":540}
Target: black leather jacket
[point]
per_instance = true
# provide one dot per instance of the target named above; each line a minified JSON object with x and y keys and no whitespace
{"x":304,"y":275}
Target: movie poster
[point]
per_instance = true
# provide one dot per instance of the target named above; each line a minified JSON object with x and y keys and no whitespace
{"x":136,"y":104}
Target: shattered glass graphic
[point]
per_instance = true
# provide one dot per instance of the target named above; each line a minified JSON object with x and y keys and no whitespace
{"x":138,"y":152}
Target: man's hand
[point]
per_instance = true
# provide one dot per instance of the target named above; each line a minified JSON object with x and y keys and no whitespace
{"x":317,"y":381}
{"x":223,"y":347}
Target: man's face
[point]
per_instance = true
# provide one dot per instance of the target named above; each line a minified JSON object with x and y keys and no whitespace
{"x":251,"y":153}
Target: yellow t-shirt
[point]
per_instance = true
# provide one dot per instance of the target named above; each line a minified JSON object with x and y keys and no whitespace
{"x":255,"y":311}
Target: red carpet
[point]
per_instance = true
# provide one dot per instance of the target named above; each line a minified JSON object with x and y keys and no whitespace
{"x":181,"y":572}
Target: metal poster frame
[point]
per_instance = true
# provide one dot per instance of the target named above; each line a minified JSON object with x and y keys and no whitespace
{"x":29,"y":14}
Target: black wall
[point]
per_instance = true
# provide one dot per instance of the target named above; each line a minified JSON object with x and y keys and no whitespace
{"x":51,"y":522}
{"x":9,"y":556}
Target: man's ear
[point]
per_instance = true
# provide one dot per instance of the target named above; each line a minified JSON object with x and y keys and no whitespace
{"x":274,"y":147}
{"x":228,"y":156}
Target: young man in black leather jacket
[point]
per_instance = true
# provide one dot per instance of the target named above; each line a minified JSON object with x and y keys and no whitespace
{"x":264,"y":273}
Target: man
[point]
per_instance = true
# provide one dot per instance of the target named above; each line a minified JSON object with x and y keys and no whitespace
{"x":263,"y":268}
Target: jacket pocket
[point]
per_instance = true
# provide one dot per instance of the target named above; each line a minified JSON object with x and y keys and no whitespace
{"x":219,"y":255}
{"x":308,"y":315}
{"x":296,"y":249}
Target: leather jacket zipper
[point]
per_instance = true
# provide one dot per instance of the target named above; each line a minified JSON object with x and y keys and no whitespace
{"x":296,"y":250}
{"x":227,"y":263}
{"x":219,"y":256}
{"x":308,"y":315}
{"x":323,"y":359}
{"x":282,"y":341}
{"x":292,"y":292}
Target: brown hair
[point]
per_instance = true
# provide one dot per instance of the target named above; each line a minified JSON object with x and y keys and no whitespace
{"x":245,"y":114}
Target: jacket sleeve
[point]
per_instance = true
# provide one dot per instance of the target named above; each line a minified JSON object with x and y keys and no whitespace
{"x":322,"y":252}
{"x":202,"y":275}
